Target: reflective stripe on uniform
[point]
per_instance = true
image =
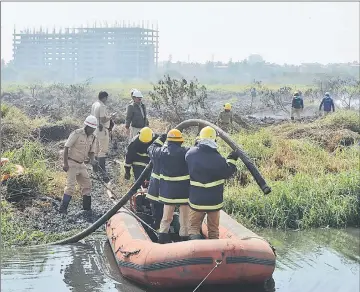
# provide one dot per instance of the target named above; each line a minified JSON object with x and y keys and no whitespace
{"x":151,"y":197}
{"x":173,"y":201}
{"x":158,"y":141}
{"x":154,"y":175}
{"x":128,"y":165}
{"x":202,"y":207}
{"x":231,"y":161}
{"x":140,"y":163}
{"x":208,"y":185}
{"x":175,"y":178}
{"x":142,"y":154}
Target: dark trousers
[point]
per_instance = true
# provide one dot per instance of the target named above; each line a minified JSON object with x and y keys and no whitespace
{"x":157,"y":210}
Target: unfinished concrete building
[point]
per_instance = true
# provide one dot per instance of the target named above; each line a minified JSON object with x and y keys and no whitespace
{"x":121,"y":51}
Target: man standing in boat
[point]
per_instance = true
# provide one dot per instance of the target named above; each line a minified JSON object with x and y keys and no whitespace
{"x":79,"y":146}
{"x":208,"y":171}
{"x":174,"y":183}
{"x":153,"y":189}
{"x":136,"y":156}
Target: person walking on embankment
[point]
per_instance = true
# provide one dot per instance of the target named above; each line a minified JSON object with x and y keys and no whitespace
{"x":102,"y":133}
{"x":225,"y":118}
{"x":79,"y":146}
{"x":136,"y":156}
{"x":297,"y":106}
{"x":328,"y":104}
{"x":136,"y":115}
{"x":174,"y":183}
{"x":208,"y":171}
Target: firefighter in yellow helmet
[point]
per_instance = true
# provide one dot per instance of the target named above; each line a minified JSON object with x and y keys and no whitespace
{"x":174,"y":183}
{"x":208,"y":171}
{"x":136,"y":154}
{"x":225,"y":118}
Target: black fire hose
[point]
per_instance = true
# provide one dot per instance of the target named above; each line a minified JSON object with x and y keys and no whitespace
{"x":245,"y":159}
{"x":188,"y":123}
{"x":111,"y":212}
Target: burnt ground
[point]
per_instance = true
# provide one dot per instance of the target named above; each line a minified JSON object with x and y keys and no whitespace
{"x":41,"y":212}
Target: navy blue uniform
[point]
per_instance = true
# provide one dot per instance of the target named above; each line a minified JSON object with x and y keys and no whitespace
{"x":328,"y":104}
{"x":157,"y":207}
{"x":174,"y":175}
{"x":297,"y":102}
{"x":208,"y":171}
{"x":137,"y":156}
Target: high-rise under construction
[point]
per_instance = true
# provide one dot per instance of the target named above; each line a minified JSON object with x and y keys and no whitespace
{"x":122,"y":51}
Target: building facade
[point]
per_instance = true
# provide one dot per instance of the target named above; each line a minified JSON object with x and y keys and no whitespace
{"x":118,"y":52}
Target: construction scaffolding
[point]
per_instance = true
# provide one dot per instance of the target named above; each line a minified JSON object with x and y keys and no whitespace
{"x":120,"y":51}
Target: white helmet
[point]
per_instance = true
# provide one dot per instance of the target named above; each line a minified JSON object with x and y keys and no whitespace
{"x":327,"y":94}
{"x":132,"y":91}
{"x":137,"y":93}
{"x":91,"y":121}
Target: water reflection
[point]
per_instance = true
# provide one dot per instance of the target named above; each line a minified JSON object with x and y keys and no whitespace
{"x":308,"y":261}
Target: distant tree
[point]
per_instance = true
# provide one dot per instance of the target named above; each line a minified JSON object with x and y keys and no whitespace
{"x":176,"y":99}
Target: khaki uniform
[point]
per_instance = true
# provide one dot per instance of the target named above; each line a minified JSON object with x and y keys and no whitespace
{"x":80,"y":145}
{"x":225,"y":120}
{"x":213,"y":219}
{"x":98,"y":110}
{"x":133,"y":132}
{"x":297,"y":112}
{"x":168,"y":218}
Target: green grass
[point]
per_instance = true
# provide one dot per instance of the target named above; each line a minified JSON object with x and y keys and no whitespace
{"x":311,"y":186}
{"x":124,"y":88}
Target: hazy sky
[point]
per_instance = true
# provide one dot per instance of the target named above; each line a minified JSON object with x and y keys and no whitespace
{"x":281,"y":32}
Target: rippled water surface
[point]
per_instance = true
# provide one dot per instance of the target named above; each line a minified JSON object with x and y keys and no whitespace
{"x":317,"y":260}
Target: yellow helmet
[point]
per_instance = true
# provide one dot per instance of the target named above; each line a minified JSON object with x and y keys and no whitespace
{"x":145,"y":135}
{"x":227,"y":106}
{"x":175,"y":135}
{"x":208,"y":133}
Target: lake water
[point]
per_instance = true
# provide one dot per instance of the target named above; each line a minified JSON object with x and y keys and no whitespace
{"x":308,"y":261}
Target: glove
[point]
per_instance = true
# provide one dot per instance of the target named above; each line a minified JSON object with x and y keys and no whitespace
{"x":163,"y":137}
{"x":127,"y":172}
{"x":233,"y":156}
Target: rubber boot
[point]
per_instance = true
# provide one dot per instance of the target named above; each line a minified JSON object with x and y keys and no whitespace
{"x":87,"y":203}
{"x":164,"y":238}
{"x":102,"y":162}
{"x":64,"y":204}
{"x":195,"y":236}
{"x":96,"y":166}
{"x":184,"y":238}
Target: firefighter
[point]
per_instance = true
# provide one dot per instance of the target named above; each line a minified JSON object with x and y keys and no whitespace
{"x":174,"y":183}
{"x":225,"y":118}
{"x":297,"y":106}
{"x":208,"y":171}
{"x":102,"y":133}
{"x":328,"y":104}
{"x":80,"y":145}
{"x":136,"y":154}
{"x":136,"y":116}
{"x":153,"y":190}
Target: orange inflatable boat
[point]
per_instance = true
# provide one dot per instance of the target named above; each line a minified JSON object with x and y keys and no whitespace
{"x":239,"y":256}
